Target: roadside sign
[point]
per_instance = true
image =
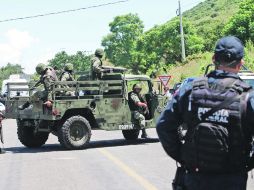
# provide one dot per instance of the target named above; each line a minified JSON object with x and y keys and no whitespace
{"x":165,"y":79}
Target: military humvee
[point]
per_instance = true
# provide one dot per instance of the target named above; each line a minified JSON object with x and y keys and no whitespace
{"x":95,"y":104}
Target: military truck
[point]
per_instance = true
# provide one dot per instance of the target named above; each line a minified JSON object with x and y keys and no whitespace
{"x":96,"y":104}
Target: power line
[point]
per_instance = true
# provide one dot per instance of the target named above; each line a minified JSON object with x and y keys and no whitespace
{"x":61,"y":12}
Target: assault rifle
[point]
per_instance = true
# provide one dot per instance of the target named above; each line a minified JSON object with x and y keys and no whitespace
{"x":108,"y":69}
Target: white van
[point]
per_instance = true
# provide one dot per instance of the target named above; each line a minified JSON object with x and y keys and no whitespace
{"x":15,"y":79}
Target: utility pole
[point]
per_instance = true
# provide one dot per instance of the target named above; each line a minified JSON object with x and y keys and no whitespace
{"x":179,"y":11}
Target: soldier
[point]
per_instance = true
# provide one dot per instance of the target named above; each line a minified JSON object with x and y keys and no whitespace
{"x":47,"y":78}
{"x":96,"y":64}
{"x":58,"y":71}
{"x":67,"y":75}
{"x":138,"y":108}
{"x":218,"y":111}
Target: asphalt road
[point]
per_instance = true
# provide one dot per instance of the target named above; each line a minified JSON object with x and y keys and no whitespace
{"x":109,"y":163}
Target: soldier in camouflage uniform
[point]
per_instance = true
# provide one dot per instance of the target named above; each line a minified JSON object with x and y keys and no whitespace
{"x":67,"y":76}
{"x":47,"y":78}
{"x":96,"y":64}
{"x":138,"y":108}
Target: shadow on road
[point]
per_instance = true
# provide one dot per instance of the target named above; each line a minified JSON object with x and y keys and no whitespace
{"x":91,"y":145}
{"x":120,"y":142}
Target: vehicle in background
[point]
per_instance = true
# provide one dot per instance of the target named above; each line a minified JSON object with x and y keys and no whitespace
{"x":2,"y":109}
{"x":18,"y":88}
{"x":247,"y":76}
{"x":103,"y":104}
{"x":175,"y":87}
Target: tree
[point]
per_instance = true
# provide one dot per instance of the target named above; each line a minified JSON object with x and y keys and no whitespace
{"x":80,"y":60}
{"x":161,"y":46}
{"x":242,"y":23}
{"x":8,"y":70}
{"x":120,"y":44}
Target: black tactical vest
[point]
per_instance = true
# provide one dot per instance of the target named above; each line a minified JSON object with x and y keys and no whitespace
{"x":215,"y":143}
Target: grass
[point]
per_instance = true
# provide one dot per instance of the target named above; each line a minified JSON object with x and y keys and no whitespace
{"x":194,"y":66}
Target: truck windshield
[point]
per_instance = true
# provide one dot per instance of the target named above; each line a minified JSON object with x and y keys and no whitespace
{"x":144,"y":85}
{"x":250,"y":82}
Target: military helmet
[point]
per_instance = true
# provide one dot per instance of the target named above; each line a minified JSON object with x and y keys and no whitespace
{"x":40,"y":68}
{"x":68,"y":67}
{"x":136,"y":86}
{"x":99,"y":52}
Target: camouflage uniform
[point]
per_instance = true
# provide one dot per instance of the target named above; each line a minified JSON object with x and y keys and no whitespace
{"x":137,"y":111}
{"x":47,"y":78}
{"x":96,"y":64}
{"x":67,"y":76}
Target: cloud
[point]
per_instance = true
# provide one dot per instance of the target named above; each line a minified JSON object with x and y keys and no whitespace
{"x":15,"y":43}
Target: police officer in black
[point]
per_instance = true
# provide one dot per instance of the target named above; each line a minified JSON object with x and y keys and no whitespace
{"x":218,"y":111}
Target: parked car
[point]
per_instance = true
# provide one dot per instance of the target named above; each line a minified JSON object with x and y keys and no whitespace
{"x":175,"y":87}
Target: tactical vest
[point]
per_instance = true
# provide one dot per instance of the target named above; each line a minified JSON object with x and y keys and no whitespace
{"x":95,"y":75}
{"x":51,"y":73}
{"x":215,"y":143}
{"x":69,"y":78}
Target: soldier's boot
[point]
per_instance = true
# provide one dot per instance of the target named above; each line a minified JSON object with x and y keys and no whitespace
{"x":24,"y":106}
{"x":144,"y":134}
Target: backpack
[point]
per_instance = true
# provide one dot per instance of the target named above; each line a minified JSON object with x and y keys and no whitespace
{"x":214,"y":141}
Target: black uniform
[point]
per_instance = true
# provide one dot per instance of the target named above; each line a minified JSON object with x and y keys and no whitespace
{"x":185,"y":109}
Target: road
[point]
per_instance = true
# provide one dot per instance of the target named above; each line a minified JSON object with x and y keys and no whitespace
{"x":109,"y":163}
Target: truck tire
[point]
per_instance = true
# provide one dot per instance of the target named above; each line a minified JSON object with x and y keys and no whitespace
{"x":75,"y":133}
{"x":131,"y":134}
{"x":30,"y":139}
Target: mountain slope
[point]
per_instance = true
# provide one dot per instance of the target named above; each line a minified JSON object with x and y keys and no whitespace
{"x":209,"y":18}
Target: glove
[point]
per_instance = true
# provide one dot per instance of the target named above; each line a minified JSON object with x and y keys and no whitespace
{"x":48,"y":104}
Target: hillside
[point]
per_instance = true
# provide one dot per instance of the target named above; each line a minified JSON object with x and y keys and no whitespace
{"x":210,"y":16}
{"x":158,"y":50}
{"x":196,"y":64}
{"x":212,"y":10}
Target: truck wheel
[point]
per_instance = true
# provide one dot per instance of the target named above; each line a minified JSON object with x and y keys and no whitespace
{"x":30,"y":139}
{"x":75,"y":133}
{"x":131,"y":134}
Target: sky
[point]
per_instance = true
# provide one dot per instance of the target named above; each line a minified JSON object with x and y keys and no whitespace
{"x":31,"y":41}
